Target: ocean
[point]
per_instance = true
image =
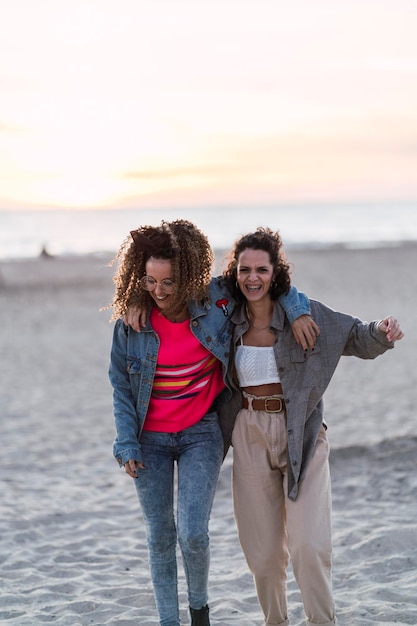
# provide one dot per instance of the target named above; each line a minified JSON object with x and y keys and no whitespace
{"x":23,"y":234}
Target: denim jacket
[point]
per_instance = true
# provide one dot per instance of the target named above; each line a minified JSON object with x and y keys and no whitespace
{"x":134,"y":356}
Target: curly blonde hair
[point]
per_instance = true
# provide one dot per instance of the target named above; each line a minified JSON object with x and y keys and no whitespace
{"x":179,"y":241}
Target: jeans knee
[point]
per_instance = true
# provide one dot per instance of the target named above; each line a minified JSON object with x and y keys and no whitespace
{"x":161,"y":546}
{"x":194,"y":544}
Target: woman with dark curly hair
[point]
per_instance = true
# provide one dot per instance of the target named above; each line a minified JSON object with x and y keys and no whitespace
{"x":170,"y":398}
{"x":281,"y":483}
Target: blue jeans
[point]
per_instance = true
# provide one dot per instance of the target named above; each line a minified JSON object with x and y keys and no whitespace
{"x":198,"y":452}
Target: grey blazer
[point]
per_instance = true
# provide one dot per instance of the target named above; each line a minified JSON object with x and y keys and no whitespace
{"x":305,"y":374}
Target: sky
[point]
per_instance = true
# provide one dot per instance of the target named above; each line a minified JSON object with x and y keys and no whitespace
{"x":134,"y":103}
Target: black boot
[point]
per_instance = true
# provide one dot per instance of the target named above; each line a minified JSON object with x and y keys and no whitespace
{"x":200,"y":617}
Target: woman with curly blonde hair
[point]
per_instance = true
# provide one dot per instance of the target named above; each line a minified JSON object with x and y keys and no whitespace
{"x":172,"y":405}
{"x":189,"y":253}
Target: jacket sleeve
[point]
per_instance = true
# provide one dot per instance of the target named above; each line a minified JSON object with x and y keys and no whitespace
{"x":295,"y":303}
{"x":126,"y":444}
{"x":346,"y":335}
{"x":366,"y":341}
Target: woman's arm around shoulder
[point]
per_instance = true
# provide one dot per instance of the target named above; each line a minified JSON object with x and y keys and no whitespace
{"x":296,"y":305}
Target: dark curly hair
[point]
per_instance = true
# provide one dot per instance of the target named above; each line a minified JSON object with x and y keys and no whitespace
{"x":269,"y":241}
{"x":179,"y":241}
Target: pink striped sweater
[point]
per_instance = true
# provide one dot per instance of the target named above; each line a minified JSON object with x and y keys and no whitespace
{"x":188,"y":378}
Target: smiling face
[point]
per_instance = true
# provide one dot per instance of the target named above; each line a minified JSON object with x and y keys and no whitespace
{"x":255,"y":274}
{"x":160,"y":269}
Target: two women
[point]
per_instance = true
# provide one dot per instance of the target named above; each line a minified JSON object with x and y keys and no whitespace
{"x":176,"y":376}
{"x":170,"y":394}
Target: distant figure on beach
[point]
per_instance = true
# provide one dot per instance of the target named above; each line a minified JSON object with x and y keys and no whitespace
{"x":281,"y":481}
{"x":44,"y":254}
{"x":171,"y":398}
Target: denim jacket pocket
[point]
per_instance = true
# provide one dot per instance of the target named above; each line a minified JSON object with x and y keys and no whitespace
{"x":134,"y":369}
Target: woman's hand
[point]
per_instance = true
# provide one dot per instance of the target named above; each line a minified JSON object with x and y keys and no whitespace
{"x":131,"y":467}
{"x":135,"y":317}
{"x":305,"y":331}
{"x":391,"y":327}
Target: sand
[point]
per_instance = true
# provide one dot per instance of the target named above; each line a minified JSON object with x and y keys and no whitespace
{"x":72,"y":542}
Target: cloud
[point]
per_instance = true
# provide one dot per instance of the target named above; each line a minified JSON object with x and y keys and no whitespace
{"x":209,"y":171}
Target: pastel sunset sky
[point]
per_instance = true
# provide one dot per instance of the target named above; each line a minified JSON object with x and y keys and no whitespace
{"x":132,"y":103}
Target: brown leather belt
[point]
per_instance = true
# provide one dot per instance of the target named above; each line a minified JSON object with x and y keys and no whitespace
{"x":269,"y":405}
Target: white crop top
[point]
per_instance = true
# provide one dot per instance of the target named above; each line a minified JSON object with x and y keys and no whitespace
{"x":256,"y":365}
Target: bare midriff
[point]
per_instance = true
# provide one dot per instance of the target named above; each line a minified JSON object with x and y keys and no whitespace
{"x":272,"y":389}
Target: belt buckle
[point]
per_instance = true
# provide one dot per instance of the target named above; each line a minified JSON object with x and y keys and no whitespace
{"x":273,"y":410}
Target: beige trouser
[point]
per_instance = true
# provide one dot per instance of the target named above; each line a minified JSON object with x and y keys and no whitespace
{"x":272,"y":528}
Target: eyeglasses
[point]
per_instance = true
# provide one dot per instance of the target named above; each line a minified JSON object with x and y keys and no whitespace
{"x":149,"y":284}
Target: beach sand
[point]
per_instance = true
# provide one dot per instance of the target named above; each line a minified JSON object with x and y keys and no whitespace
{"x":72,"y":541}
